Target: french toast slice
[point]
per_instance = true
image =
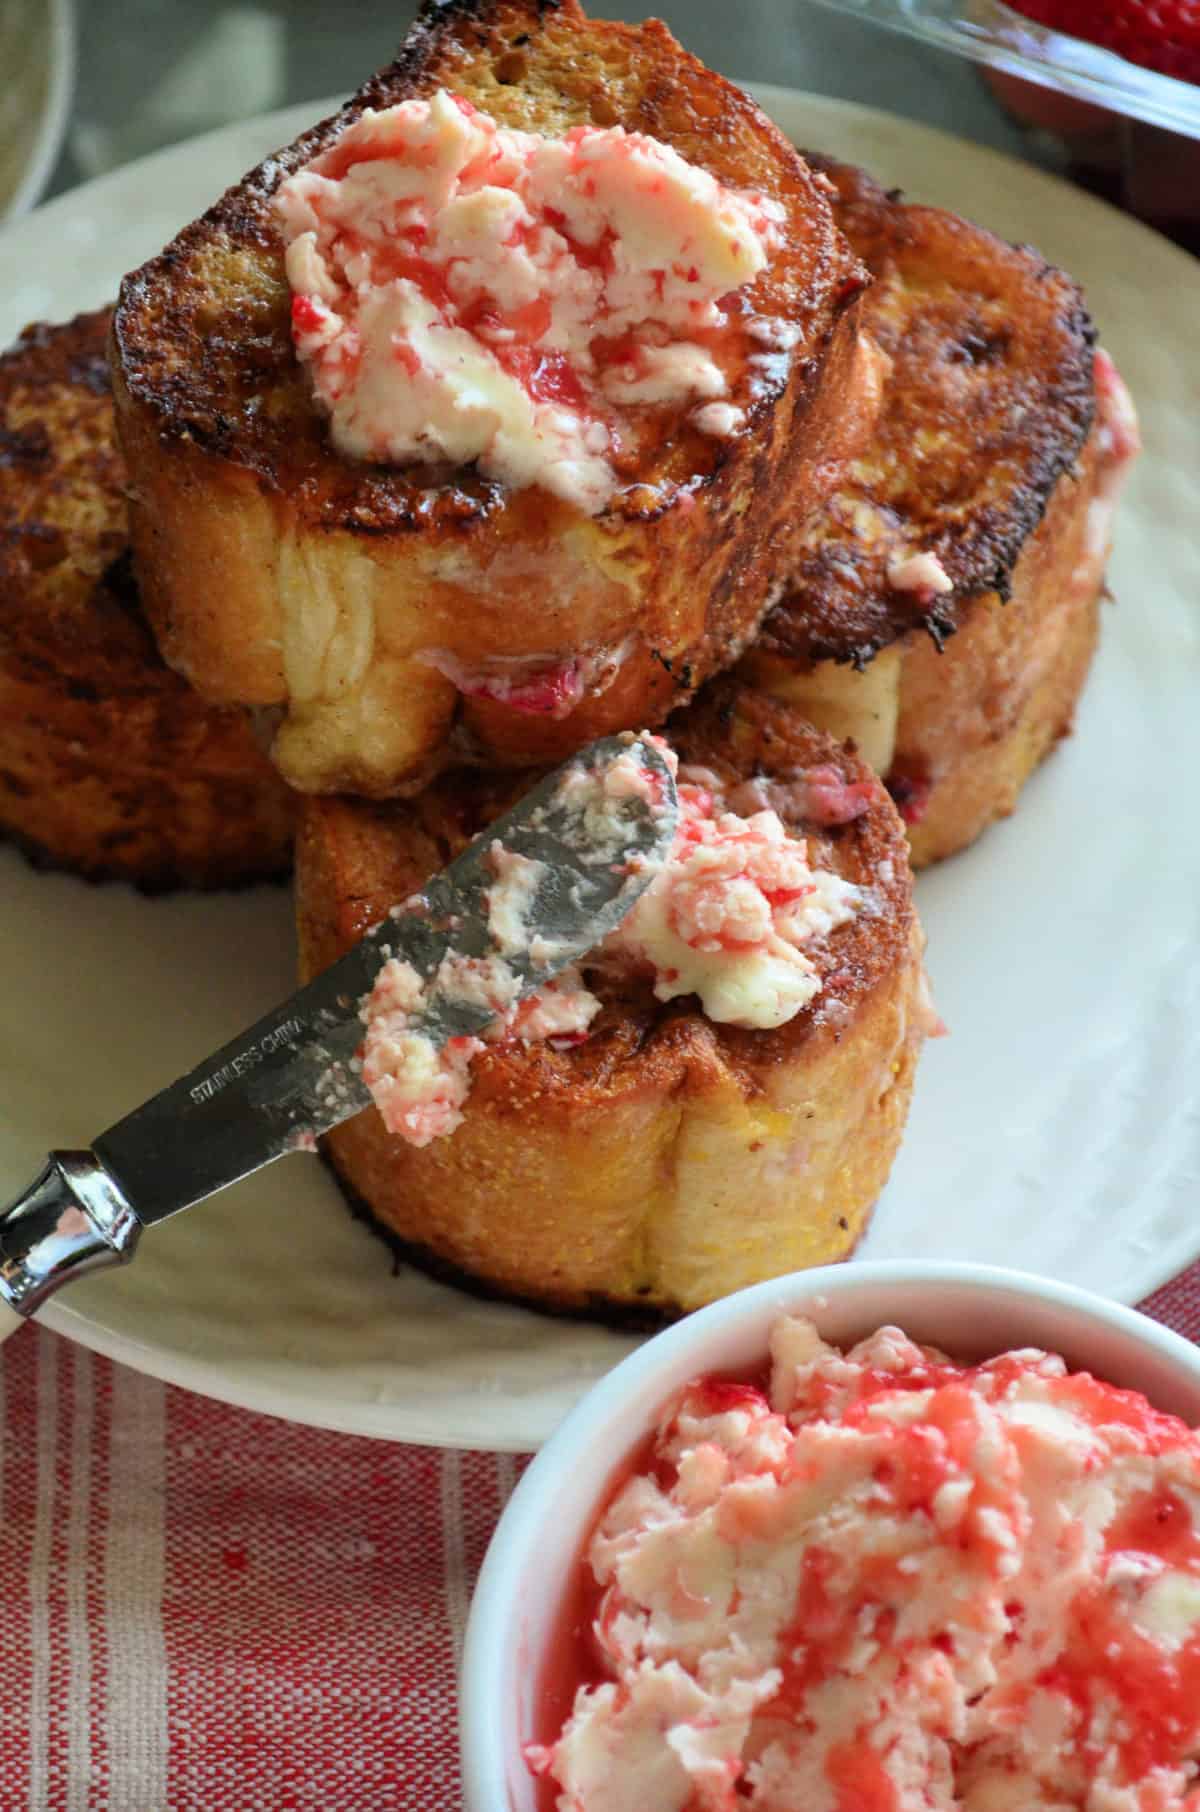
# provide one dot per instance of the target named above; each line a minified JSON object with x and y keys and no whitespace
{"x":109,"y":765}
{"x":665,"y":1160}
{"x":395,"y":612}
{"x":998,"y":451}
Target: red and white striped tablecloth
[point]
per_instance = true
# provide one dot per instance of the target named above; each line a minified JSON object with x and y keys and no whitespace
{"x":206,"y":1610}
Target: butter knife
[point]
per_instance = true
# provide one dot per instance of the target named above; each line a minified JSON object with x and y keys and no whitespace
{"x":293,"y":1074}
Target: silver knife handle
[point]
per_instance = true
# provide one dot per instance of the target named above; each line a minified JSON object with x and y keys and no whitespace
{"x":73,"y":1219}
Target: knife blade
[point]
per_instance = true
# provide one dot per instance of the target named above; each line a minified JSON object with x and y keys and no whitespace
{"x":294,"y":1074}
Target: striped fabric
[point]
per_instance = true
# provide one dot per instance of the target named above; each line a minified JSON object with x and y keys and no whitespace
{"x":206,"y":1610}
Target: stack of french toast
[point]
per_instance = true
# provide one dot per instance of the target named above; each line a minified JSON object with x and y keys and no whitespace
{"x":545,"y":392}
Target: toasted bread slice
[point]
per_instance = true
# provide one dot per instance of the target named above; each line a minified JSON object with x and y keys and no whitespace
{"x":990,"y":455}
{"x":666,"y":1160}
{"x":277,"y":572}
{"x":109,"y":765}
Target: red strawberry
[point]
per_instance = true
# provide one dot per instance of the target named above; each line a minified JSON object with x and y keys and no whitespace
{"x":1160,"y":34}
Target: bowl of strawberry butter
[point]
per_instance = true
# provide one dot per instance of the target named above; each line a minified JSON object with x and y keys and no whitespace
{"x":874,"y":1538}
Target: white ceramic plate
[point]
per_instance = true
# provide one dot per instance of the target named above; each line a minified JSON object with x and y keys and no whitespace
{"x":1057,"y":1128}
{"x":37,"y":56}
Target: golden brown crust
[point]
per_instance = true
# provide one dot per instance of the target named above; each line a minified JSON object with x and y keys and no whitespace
{"x":214,"y":362}
{"x":746,"y":1226}
{"x":109,"y":766}
{"x":985,"y":455}
{"x":976,"y":719}
{"x":630,"y":1317}
{"x":619,"y":1170}
{"x":229,"y":452}
{"x":990,"y":399}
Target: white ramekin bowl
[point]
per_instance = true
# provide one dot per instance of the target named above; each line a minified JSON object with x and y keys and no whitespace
{"x":972,"y":1311}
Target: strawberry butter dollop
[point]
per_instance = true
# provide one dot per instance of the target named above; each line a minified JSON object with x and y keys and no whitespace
{"x":733,"y":916}
{"x":732,"y":912}
{"x":883,"y":1581}
{"x":466,"y":292}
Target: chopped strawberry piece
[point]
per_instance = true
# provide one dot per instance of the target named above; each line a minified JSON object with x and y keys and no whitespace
{"x":551,"y":693}
{"x":625,"y":350}
{"x":831,"y":799}
{"x":532,"y":322}
{"x":859,"y":1778}
{"x":565,"y":1041}
{"x":548,"y":377}
{"x":714,"y":1396}
{"x":548,"y":694}
{"x":1120,"y":419}
{"x":700,"y":803}
{"x":911,"y":794}
{"x":307,"y":315}
{"x":778,"y":897}
{"x":592,"y":257}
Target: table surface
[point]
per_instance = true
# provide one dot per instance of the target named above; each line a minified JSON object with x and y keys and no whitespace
{"x":152,"y":72}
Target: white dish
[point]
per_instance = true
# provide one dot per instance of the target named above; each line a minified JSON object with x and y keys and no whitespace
{"x":970,"y":1311}
{"x":991,"y":33}
{"x":37,"y":55}
{"x":1056,"y":1129}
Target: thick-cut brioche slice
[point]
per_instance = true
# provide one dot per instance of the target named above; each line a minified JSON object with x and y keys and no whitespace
{"x":990,"y":455}
{"x":389,"y":609}
{"x":109,"y":765}
{"x":665,"y":1160}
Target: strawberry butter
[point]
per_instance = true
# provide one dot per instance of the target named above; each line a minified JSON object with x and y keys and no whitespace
{"x":880,"y":1581}
{"x":732,"y":916}
{"x":464,"y":292}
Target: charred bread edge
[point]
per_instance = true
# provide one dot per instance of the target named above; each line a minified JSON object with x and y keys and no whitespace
{"x":997,"y":551}
{"x":216,"y":434}
{"x":156,"y":884}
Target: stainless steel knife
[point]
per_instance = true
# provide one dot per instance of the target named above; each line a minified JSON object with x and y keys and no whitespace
{"x":293,"y":1075}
